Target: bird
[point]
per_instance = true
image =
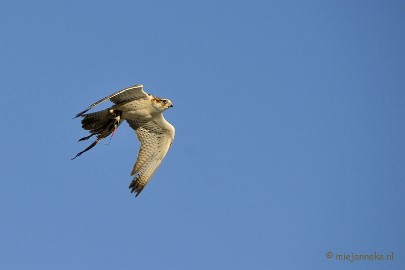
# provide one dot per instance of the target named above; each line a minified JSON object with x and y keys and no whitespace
{"x":144,"y":114}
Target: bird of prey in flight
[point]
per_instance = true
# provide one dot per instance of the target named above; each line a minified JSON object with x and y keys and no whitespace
{"x":144,"y":114}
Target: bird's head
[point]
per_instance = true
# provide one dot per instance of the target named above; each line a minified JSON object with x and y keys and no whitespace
{"x":162,"y":104}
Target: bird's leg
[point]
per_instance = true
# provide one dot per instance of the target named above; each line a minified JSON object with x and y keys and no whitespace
{"x":117,"y":118}
{"x":116,"y":114}
{"x":113,"y":133}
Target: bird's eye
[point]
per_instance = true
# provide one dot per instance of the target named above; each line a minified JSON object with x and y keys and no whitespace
{"x":164,"y":101}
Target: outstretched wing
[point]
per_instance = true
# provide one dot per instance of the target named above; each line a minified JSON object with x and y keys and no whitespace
{"x":130,"y":93}
{"x":156,"y":137}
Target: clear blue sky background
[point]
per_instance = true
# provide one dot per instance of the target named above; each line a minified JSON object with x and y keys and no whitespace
{"x":290,"y":134}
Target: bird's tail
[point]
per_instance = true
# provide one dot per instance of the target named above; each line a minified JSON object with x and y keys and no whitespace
{"x":100,"y":124}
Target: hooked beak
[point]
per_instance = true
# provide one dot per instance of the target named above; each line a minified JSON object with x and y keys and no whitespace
{"x":171,"y":105}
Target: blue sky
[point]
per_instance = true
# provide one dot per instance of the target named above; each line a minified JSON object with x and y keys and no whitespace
{"x":290,"y":127}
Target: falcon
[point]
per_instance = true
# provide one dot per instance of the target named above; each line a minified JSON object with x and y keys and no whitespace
{"x":144,"y":114}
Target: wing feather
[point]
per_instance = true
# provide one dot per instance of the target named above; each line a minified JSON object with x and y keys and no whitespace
{"x":130,"y":93}
{"x":156,"y":137}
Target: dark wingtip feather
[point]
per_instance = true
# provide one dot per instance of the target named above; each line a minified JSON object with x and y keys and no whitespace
{"x":80,"y":114}
{"x":135,"y":187}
